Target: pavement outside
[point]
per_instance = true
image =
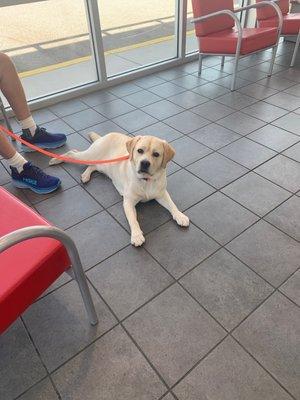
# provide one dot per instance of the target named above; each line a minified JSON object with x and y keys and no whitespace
{"x":48,"y":32}
{"x":208,"y":312}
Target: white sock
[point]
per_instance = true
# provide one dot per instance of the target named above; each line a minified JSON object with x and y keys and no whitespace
{"x":17,"y":161}
{"x":28,"y":123}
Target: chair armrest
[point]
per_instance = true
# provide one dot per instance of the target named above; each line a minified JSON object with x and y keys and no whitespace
{"x":271,"y":3}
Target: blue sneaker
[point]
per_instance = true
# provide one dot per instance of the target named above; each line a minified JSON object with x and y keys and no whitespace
{"x":35,"y":179}
{"x":43,"y":139}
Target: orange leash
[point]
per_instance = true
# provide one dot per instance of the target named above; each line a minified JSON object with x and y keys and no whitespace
{"x":58,"y":156}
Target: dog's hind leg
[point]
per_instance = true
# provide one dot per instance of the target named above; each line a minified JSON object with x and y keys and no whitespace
{"x":86,"y":175}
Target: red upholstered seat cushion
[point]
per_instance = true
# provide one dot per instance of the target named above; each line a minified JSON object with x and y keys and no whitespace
{"x":225,"y":42}
{"x":30,"y":267}
{"x":215,"y":24}
{"x":291,"y":23}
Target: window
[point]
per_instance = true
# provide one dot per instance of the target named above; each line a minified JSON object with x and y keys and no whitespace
{"x":137,"y":33}
{"x":50,"y":44}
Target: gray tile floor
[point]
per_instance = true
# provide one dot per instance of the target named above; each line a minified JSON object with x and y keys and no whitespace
{"x":207,"y":312}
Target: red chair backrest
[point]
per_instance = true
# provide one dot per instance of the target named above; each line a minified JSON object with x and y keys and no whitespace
{"x":269,"y":12}
{"x":216,"y":24}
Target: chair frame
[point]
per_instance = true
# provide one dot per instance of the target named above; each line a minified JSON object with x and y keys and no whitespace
{"x":237,"y":54}
{"x":32,"y":232}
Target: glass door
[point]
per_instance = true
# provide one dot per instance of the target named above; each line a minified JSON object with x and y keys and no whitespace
{"x":50,"y":44}
{"x":137,"y":33}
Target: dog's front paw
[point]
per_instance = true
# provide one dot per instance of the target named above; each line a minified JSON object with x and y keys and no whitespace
{"x":137,"y":239}
{"x":181,"y":219}
{"x":85,"y":177}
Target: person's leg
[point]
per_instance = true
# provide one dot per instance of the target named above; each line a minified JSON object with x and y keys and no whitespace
{"x":15,"y":159}
{"x":12,"y":88}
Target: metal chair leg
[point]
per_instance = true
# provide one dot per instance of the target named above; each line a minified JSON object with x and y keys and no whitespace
{"x":200,"y":64}
{"x":234,"y":75}
{"x":274,"y":51}
{"x":295,"y":50}
{"x":223,"y":61}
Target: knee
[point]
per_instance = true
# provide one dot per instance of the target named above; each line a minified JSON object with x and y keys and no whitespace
{"x":5,"y":59}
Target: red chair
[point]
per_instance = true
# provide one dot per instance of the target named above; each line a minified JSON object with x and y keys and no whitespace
{"x":290,"y":26}
{"x":219,"y":32}
{"x":33,"y":255}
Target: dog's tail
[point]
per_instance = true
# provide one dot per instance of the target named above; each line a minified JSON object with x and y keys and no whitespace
{"x":94,"y":136}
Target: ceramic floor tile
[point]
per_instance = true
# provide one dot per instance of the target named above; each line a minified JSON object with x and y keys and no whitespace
{"x":83,"y":119}
{"x":186,"y":122}
{"x":270,"y":334}
{"x":231,"y":371}
{"x":188,"y":151}
{"x":162,"y":109}
{"x":275,"y":138}
{"x":241,"y":123}
{"x":179,"y":249}
{"x":256,"y":193}
{"x":212,"y":110}
{"x":134,"y":120}
{"x":247,"y":153}
{"x":68,"y":107}
{"x":217,"y":170}
{"x":51,"y":319}
{"x":114,"y":108}
{"x":236,"y":100}
{"x":57,"y":209}
{"x":289,"y":122}
{"x":128,"y":279}
{"x":214,"y":136}
{"x":268,"y":251}
{"x":150,"y":215}
{"x":20,"y":366}
{"x":174,"y":341}
{"x":220,"y":217}
{"x":291,"y":287}
{"x":264,"y":111}
{"x":186,"y":189}
{"x":97,"y":238}
{"x":41,"y":391}
{"x":287,"y":217}
{"x":112,"y":357}
{"x":294,"y":152}
{"x":226,"y":288}
{"x":283,"y":171}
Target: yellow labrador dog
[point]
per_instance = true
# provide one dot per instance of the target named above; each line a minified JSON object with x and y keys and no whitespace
{"x":140,"y":178}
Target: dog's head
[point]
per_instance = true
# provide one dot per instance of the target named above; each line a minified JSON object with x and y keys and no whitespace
{"x":149,"y":154}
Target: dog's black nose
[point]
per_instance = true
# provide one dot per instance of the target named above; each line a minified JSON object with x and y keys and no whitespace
{"x":145,"y":164}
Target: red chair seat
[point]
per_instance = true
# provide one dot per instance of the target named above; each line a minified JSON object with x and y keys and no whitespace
{"x":291,"y":23}
{"x":225,"y":42}
{"x":28,"y":268}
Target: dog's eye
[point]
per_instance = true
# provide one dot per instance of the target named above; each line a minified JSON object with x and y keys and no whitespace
{"x":141,"y":151}
{"x":155,"y":154}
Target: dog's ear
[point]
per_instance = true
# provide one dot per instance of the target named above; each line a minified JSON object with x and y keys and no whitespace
{"x":169,"y":153}
{"x":130,"y":145}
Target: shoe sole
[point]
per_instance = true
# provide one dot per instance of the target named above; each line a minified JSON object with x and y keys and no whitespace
{"x":54,"y":145}
{"x":22,"y":185}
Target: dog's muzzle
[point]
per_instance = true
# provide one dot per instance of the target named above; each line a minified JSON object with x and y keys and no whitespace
{"x":144,"y":166}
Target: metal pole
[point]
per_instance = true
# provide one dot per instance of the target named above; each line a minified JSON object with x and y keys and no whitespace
{"x":181,"y":17}
{"x":96,"y":33}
